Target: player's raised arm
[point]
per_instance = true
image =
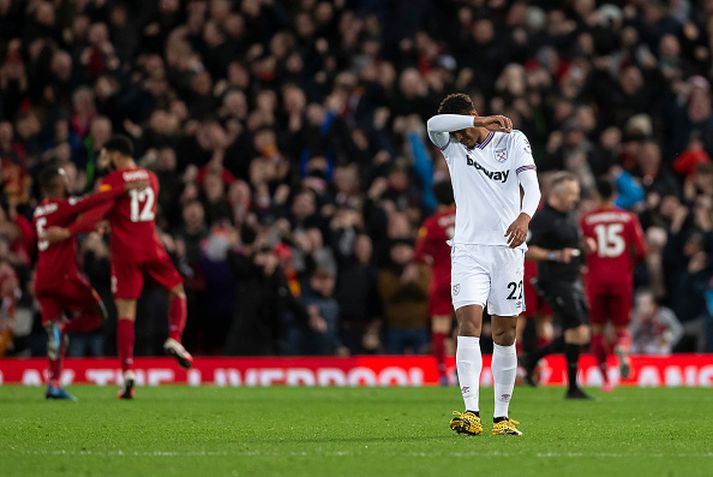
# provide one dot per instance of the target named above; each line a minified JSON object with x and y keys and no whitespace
{"x":107,"y":194}
{"x":84,"y":223}
{"x":441,"y":125}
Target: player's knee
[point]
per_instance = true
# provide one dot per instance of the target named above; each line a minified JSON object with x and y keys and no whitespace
{"x":441,"y":324}
{"x":504,"y":336}
{"x":126,"y":309}
{"x":469,"y":328}
{"x":470,"y":320}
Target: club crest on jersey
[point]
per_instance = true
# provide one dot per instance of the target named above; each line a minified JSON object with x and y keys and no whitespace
{"x":498,"y":176}
{"x":501,"y":155}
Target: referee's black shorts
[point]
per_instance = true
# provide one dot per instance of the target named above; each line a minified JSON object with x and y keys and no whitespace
{"x":568,"y":302}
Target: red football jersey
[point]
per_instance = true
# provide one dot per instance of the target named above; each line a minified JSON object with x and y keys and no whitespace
{"x":432,"y":248}
{"x":58,"y":261}
{"x":131,"y":216}
{"x":620,"y":244}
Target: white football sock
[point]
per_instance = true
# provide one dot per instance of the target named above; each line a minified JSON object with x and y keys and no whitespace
{"x":469,"y":363}
{"x":504,"y":367}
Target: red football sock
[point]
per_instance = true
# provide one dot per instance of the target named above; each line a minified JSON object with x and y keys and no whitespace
{"x":55,"y":365}
{"x":600,"y":353}
{"x":438,"y":345}
{"x":55,"y":371}
{"x":623,"y":339}
{"x":176,"y":317}
{"x":125,"y":343}
{"x":83,"y":323}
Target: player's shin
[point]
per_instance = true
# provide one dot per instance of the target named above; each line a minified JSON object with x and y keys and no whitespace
{"x":622,"y":348}
{"x":177,"y":313}
{"x":504,"y":367}
{"x":571,"y":354}
{"x":600,"y":353}
{"x":55,"y":352}
{"x":125,"y":343}
{"x":623,"y":339}
{"x":469,"y":363}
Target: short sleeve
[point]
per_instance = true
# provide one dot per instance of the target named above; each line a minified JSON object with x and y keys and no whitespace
{"x":440,"y":139}
{"x":108,"y":183}
{"x":522,"y":153}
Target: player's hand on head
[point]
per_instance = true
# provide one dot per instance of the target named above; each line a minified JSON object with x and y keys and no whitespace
{"x":516,"y":234}
{"x":496,"y":123}
{"x":55,"y":234}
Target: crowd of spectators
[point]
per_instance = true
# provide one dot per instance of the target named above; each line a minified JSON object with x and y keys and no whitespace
{"x":288,"y":137}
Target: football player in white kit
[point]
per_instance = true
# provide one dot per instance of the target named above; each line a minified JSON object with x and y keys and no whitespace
{"x":496,"y":192}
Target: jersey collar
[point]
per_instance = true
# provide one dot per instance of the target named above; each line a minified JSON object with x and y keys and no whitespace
{"x":485,"y":142}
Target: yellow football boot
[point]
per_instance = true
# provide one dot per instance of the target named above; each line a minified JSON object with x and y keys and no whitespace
{"x":506,"y":427}
{"x":466,"y":423}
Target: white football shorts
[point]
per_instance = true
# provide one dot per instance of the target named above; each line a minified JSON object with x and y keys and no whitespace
{"x":488,"y":274}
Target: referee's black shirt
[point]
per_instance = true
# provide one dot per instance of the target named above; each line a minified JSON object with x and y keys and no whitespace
{"x":555,"y":230}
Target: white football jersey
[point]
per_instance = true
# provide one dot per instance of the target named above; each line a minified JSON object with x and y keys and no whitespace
{"x":486,"y":184}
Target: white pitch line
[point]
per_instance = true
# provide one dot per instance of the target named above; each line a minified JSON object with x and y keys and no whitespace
{"x":120,"y":453}
{"x":320,"y":453}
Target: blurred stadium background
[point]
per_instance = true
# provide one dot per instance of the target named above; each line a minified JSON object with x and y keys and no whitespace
{"x":297,"y":128}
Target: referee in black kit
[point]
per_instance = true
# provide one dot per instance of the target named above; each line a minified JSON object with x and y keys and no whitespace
{"x":556,"y":244}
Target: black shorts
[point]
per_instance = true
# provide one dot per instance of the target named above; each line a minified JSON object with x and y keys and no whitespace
{"x":568,"y":302}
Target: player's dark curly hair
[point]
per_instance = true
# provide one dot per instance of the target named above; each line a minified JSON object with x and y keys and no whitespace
{"x":121,"y":144}
{"x":456,"y":103}
{"x":605,"y":188}
{"x":48,"y":176}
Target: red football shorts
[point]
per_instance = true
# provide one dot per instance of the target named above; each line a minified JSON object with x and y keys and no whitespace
{"x":535,"y":305}
{"x":74,"y":295}
{"x":610,"y":303}
{"x":440,"y":300}
{"x":127,"y":278}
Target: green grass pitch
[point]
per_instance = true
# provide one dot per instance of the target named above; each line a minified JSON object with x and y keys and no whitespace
{"x":210,"y":432}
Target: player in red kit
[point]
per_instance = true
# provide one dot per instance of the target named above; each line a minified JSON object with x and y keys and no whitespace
{"x":432,"y":249}
{"x":609,"y":280}
{"x":60,"y":288}
{"x":136,"y":253}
